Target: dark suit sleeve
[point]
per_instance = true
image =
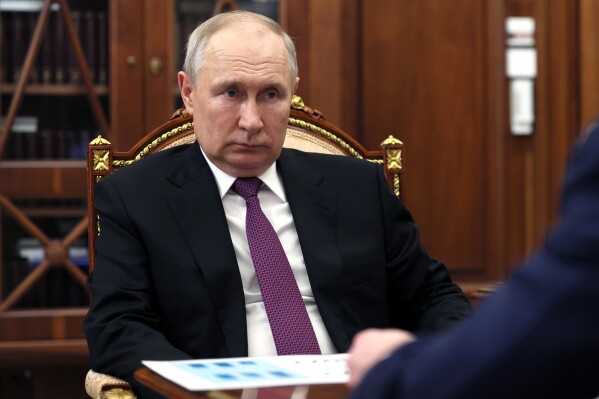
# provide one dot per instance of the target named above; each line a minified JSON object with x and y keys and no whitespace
{"x":122,"y":326}
{"x":422,"y":296}
{"x":538,"y":336}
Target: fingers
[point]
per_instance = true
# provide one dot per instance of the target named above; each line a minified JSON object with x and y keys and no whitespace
{"x":370,"y":347}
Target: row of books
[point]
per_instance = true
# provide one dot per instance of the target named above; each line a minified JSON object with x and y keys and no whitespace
{"x":56,"y":62}
{"x":48,"y":144}
{"x":21,"y":254}
{"x":56,"y":288}
{"x":74,"y":205}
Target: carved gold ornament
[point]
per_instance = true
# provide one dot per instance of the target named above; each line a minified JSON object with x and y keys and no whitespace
{"x":394,"y":160}
{"x":101,"y":160}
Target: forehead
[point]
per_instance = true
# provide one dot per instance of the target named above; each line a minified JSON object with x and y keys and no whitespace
{"x":247,"y":48}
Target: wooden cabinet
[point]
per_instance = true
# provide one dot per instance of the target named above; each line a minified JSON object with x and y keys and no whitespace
{"x":72,"y":70}
{"x":137,"y":49}
{"x":51,"y":100}
{"x":147,"y":42}
{"x":116,"y":78}
{"x":432,"y":73}
{"x":142,"y":62}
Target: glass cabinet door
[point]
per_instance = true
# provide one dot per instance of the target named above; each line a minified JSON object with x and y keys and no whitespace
{"x":54,"y":119}
{"x":54,"y":96}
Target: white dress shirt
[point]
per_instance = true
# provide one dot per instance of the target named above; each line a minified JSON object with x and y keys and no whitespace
{"x":276,"y":208}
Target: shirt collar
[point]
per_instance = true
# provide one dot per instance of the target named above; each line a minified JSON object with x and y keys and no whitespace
{"x":270,"y":178}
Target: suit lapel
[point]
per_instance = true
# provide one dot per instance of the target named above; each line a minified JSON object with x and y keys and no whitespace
{"x":314,"y":213}
{"x":198,"y":210}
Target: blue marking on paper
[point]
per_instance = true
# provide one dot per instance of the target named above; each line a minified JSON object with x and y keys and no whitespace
{"x":238,"y":370}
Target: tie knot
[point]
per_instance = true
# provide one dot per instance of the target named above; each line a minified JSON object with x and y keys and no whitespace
{"x":247,"y":187}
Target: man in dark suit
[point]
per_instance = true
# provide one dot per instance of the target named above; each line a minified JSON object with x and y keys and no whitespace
{"x":174,"y":278}
{"x":538,"y":337}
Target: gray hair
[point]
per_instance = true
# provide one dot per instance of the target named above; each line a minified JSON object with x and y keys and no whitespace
{"x":199,"y":38}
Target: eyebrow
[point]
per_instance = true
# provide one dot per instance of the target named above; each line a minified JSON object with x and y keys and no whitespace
{"x":227,"y":83}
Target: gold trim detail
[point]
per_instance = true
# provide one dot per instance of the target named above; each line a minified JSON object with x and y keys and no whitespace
{"x":117,"y":393}
{"x":397,"y":185}
{"x":155,"y":143}
{"x":99,"y":141}
{"x":394,"y":160}
{"x":101,"y":159}
{"x":391,"y":141}
{"x":297,"y":102}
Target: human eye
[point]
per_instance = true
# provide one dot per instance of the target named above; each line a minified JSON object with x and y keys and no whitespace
{"x":271,"y":94}
{"x":230,"y":93}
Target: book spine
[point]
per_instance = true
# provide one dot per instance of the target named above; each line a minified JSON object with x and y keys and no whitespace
{"x":73,"y":68}
{"x":46,"y":143}
{"x":58,"y":30}
{"x":4,"y":48}
{"x":71,"y":145}
{"x":102,"y":48}
{"x":18,"y":45}
{"x":16,"y":146}
{"x":61,"y":144}
{"x":34,"y":75}
{"x":82,"y":142}
{"x":45,"y":59}
{"x":31,"y":146}
{"x":90,"y":42}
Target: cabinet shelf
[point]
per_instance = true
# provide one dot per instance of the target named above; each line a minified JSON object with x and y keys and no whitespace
{"x":42,"y":336}
{"x":54,"y":89}
{"x":43,"y":179}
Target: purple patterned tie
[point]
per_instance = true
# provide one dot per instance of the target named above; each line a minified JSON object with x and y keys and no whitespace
{"x":291,"y":328}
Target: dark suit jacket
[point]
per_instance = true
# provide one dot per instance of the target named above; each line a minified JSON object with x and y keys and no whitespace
{"x":167,"y":284}
{"x":538,"y":337}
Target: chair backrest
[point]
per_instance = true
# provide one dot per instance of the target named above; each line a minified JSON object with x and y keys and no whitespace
{"x":307,"y":131}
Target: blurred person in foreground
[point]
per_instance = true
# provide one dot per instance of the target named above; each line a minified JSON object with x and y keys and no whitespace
{"x":537,"y":337}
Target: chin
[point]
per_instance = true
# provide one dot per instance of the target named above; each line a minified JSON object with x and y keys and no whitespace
{"x":241,"y":169}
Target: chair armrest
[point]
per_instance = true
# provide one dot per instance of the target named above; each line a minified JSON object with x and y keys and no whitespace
{"x":104,"y":386}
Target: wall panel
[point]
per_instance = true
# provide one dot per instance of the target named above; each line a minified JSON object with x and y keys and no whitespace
{"x":424,"y":80}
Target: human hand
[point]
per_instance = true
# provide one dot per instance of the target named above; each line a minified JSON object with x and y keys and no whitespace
{"x":371,"y":346}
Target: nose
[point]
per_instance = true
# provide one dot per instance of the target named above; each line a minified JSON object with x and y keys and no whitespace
{"x":250,"y":118}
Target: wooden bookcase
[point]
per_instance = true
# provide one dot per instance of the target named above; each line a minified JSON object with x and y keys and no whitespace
{"x":70,"y":70}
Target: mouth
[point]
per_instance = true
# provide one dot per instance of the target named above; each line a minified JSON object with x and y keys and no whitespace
{"x":247,"y":147}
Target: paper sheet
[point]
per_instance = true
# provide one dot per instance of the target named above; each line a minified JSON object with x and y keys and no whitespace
{"x":253,"y":372}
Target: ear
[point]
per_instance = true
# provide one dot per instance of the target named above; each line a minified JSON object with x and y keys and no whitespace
{"x":186,"y":89}
{"x":296,"y":85}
